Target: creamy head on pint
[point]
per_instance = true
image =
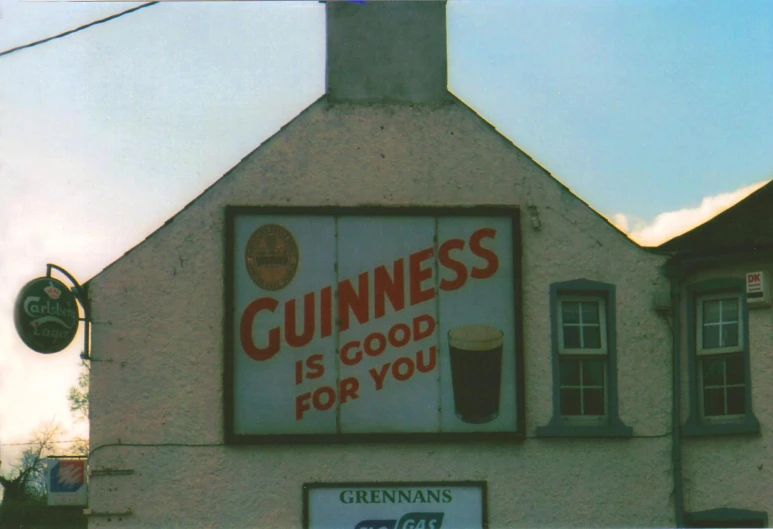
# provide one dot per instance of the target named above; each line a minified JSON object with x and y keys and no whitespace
{"x":475,"y":338}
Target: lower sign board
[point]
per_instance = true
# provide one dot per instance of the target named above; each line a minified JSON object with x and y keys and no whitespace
{"x":66,"y":481}
{"x":431,"y":505}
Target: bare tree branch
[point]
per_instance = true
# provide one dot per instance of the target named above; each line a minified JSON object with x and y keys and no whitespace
{"x":79,"y":394}
{"x":27,"y":476}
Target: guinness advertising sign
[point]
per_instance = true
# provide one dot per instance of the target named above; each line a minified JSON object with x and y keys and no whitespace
{"x":46,"y":315}
{"x":346,"y":322}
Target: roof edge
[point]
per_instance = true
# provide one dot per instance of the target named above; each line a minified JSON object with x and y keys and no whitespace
{"x":673,"y":242}
{"x":454,"y":99}
{"x":548,"y":173}
{"x":225,"y":175}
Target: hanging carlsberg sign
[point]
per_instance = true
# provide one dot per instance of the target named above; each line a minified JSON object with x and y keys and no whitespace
{"x":360,"y":323}
{"x":46,"y":315}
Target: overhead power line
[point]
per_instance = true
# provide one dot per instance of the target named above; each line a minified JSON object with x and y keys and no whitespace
{"x":76,"y":30}
{"x":36,"y":443}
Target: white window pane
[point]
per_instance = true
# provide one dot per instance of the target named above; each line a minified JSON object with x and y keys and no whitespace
{"x":572,"y":337}
{"x":570,"y":402}
{"x":570,"y":372}
{"x":711,"y":311}
{"x":729,"y":334}
{"x":590,"y":312}
{"x":730,"y":309}
{"x":714,"y":402}
{"x":571,"y":311}
{"x":594,"y":401}
{"x":710,"y":336}
{"x":593,"y":373}
{"x":736,"y":401}
{"x":591,"y":337}
{"x":735,"y":369}
{"x":713,"y":371}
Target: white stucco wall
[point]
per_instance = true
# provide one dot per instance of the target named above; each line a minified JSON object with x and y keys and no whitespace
{"x":158,"y":352}
{"x":733,"y":471}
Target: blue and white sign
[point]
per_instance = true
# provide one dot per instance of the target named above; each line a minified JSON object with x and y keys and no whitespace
{"x":395,"y":506}
{"x":66,"y":481}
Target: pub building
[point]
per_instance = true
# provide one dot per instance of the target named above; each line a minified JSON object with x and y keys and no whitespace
{"x":388,"y":315}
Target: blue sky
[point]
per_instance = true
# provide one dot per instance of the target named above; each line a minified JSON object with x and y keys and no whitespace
{"x":656,"y":112}
{"x":640,"y":107}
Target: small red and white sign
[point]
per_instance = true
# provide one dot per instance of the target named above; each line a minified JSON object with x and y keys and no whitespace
{"x":753,"y":282}
{"x":757,"y":288}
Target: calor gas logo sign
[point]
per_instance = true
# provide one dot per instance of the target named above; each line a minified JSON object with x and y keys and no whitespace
{"x":66,"y":481}
{"x":413,"y":520}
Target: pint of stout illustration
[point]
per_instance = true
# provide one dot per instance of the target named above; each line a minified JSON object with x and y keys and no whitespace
{"x":476,"y":371}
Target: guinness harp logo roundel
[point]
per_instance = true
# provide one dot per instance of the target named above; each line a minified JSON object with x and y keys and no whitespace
{"x":272,"y":257}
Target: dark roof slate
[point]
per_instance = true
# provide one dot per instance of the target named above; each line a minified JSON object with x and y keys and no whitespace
{"x":746,"y":226}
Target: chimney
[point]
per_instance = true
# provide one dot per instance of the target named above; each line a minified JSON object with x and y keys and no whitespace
{"x":386,"y":51}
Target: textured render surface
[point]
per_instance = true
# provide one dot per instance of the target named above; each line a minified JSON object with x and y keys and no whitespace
{"x":157,"y":340}
{"x":735,"y":471}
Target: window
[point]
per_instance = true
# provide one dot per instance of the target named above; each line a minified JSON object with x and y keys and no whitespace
{"x":718,"y":359}
{"x":718,"y":328}
{"x":583,"y":325}
{"x":582,"y":387}
{"x":582,"y":357}
{"x":584,"y":363}
{"x":720,"y":356}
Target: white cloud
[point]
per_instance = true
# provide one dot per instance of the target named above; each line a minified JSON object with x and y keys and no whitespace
{"x":668,"y":225}
{"x":621,"y":221}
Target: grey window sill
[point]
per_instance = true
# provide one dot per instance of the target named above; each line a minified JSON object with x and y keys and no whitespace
{"x":730,"y":517}
{"x":693,"y":428}
{"x":558,"y":428}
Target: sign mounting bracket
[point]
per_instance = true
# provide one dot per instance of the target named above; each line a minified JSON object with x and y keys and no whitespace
{"x":80,"y":294}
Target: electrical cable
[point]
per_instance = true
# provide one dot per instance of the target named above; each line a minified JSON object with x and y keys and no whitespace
{"x":35,"y":443}
{"x":80,"y":28}
{"x":221,"y":444}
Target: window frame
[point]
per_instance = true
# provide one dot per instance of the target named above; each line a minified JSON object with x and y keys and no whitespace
{"x":566,"y":351}
{"x":609,"y":424}
{"x":697,"y":423}
{"x":699,"y":300}
{"x":708,"y":419}
{"x":582,"y":418}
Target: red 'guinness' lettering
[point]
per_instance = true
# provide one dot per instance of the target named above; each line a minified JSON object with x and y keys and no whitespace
{"x":445,"y":259}
{"x":490,"y":257}
{"x":354,"y":302}
{"x":245,"y":330}
{"x":392,"y":287}
{"x":419,"y":275}
{"x":292,"y":337}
